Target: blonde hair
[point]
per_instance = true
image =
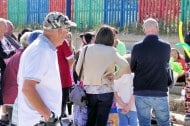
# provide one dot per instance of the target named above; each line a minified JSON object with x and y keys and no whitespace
{"x":24,"y":39}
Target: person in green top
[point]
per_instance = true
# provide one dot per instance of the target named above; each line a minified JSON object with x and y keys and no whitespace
{"x":119,"y":45}
{"x":176,"y":66}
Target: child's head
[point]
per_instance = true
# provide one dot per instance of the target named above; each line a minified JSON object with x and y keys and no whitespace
{"x":175,"y":54}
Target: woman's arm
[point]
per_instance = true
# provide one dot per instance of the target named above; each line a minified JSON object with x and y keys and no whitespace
{"x":124,"y":67}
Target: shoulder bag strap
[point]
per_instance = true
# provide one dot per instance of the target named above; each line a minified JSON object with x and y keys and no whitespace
{"x":80,"y":73}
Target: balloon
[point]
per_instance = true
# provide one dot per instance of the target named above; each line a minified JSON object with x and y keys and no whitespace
{"x":181,"y":38}
{"x":183,"y":44}
{"x":175,"y":66}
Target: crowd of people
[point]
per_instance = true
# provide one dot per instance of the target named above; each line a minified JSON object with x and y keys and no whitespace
{"x":39,"y":67}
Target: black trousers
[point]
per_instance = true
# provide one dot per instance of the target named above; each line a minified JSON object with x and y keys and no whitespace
{"x":65,"y":101}
{"x":98,"y":108}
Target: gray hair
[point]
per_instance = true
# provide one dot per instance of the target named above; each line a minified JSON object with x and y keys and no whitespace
{"x":150,"y":23}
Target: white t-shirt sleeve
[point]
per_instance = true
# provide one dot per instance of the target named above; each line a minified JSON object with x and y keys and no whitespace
{"x":36,"y":65}
{"x":130,"y":78}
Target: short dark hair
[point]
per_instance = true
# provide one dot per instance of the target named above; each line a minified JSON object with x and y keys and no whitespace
{"x":88,"y":37}
{"x":22,"y":32}
{"x":105,"y":36}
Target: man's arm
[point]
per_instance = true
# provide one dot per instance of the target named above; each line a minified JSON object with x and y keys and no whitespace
{"x":68,"y":52}
{"x":29,"y":90}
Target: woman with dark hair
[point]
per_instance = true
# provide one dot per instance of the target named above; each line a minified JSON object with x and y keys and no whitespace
{"x":86,"y":38}
{"x":98,"y":75}
{"x":80,"y":113}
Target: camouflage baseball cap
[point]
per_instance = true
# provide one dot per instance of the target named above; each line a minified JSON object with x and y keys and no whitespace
{"x":55,"y":20}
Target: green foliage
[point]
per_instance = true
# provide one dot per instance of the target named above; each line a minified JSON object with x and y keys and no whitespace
{"x":136,"y":28}
{"x":32,"y":27}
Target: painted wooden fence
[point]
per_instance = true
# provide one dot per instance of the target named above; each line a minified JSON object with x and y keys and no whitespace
{"x":64,"y":6}
{"x":57,"y":5}
{"x":88,"y":13}
{"x":36,"y":11}
{"x":165,"y":11}
{"x":120,"y":12}
{"x":113,"y":12}
{"x":17,"y":11}
{"x":185,"y":14}
{"x":92,"y":13}
{"x":3,"y":8}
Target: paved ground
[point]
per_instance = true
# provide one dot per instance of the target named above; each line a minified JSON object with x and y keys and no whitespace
{"x":177,"y":107}
{"x":179,"y":117}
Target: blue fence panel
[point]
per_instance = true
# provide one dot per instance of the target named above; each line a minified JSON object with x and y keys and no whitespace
{"x":32,"y":12}
{"x":112,"y":12}
{"x":130,"y":10}
{"x":44,"y":9}
{"x":37,"y":10}
{"x":120,"y":12}
{"x":68,"y":8}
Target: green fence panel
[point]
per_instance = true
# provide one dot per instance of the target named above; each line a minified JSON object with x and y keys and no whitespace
{"x":88,"y":13}
{"x":185,"y":14}
{"x":17,"y":11}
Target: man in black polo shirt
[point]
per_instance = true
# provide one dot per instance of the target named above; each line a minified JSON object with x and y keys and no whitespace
{"x":149,"y":61}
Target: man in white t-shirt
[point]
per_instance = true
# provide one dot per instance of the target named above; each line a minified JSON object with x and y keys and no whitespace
{"x":39,"y":85}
